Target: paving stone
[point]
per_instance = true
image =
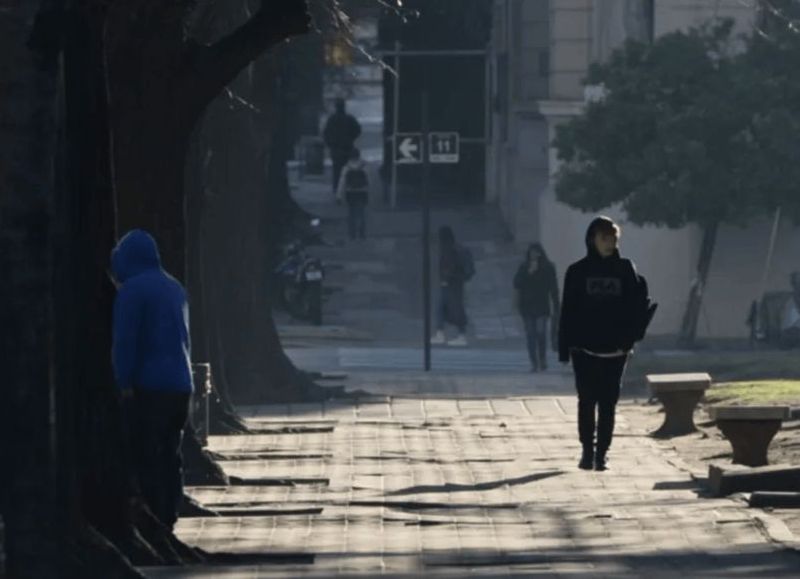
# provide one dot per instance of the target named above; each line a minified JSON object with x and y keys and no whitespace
{"x":445,"y":487}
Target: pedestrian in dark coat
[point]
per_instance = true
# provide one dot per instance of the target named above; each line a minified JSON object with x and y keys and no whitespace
{"x":537,"y":298}
{"x":598,"y":327}
{"x":456,"y":267}
{"x":340,"y":134}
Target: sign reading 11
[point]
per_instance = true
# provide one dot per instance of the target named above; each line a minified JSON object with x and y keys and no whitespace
{"x":443,"y":147}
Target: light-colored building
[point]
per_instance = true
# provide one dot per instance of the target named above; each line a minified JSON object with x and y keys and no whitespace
{"x":541,"y":51}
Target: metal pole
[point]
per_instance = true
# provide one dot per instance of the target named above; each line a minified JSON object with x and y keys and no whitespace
{"x":487,"y":124}
{"x":426,"y":234}
{"x":395,"y":120}
{"x":209,"y":391}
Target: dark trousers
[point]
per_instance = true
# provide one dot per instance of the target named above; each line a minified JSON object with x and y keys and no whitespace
{"x":536,"y":334}
{"x":598,"y":381}
{"x":357,"y":220}
{"x":451,"y":307}
{"x":160,"y":418}
{"x":338,"y":160}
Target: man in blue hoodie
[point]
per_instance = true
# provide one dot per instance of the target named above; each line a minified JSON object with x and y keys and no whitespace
{"x":151,"y":355}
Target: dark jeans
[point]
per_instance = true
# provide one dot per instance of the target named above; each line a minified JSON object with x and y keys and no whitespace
{"x":357,"y":220}
{"x":598,"y":381}
{"x":451,"y":307}
{"x":338,"y":160}
{"x":160,"y":418}
{"x":536,"y":334}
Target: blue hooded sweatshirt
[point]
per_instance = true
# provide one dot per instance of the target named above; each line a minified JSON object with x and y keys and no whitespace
{"x":151,"y":349}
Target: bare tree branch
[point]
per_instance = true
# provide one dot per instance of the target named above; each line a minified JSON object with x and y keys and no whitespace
{"x":217,"y":65}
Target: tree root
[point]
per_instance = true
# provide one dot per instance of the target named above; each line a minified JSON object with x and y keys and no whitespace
{"x":90,"y":554}
{"x":199,"y":466}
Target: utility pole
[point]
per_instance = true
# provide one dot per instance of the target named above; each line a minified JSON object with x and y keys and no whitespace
{"x":395,"y":120}
{"x":426,"y":233}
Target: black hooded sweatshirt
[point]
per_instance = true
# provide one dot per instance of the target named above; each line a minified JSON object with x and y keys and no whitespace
{"x":599,"y":308}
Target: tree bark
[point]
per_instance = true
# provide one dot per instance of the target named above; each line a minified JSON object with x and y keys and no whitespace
{"x":688,"y":333}
{"x":91,"y":416}
{"x":160,"y":85}
{"x":245,"y":211}
{"x":28,"y":96}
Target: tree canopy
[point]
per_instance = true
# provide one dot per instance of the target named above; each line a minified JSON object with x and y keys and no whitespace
{"x":691,"y":129}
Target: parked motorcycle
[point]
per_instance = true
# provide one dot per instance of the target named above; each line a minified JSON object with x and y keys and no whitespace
{"x":298,"y":284}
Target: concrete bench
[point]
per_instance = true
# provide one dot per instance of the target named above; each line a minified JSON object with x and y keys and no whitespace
{"x":749,"y":429}
{"x":679,"y":394}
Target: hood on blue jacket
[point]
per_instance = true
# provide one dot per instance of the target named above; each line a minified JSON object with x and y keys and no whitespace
{"x":135,"y":253}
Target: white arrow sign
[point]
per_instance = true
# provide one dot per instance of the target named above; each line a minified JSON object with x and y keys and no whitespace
{"x":408,"y":148}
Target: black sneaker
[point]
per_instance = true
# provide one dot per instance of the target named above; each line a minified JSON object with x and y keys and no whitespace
{"x":587,"y":459}
{"x":600,"y":462}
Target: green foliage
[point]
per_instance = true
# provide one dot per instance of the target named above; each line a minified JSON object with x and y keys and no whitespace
{"x":688,"y":131}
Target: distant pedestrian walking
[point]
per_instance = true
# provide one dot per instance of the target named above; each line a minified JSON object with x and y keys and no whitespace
{"x":537,"y":297}
{"x":456,"y":267}
{"x":340,"y":134}
{"x":152,"y":368}
{"x":604,"y":311}
{"x":354,"y":189}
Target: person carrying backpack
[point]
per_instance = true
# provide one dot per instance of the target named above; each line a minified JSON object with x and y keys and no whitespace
{"x":604,"y":311}
{"x":456,"y":267}
{"x":354,"y":189}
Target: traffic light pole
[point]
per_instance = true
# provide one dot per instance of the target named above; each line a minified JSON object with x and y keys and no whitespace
{"x":426,"y":235}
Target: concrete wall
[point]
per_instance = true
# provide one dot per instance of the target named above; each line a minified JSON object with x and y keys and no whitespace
{"x":671,"y":15}
{"x":570,"y":47}
{"x":614,"y":21}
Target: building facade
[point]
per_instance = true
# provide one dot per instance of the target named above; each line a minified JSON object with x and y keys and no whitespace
{"x":540,"y":54}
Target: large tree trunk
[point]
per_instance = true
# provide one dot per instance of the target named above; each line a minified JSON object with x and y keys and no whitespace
{"x":159,"y":86}
{"x":28,"y":89}
{"x":688,"y":333}
{"x":244,"y":217}
{"x":91,"y":414}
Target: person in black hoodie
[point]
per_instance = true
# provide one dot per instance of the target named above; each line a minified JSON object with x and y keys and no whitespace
{"x":537,"y":298}
{"x":597,"y":330}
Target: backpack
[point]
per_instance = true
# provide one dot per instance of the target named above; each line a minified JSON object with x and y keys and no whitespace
{"x":356,"y":179}
{"x":467,"y":263}
{"x":645,"y":308}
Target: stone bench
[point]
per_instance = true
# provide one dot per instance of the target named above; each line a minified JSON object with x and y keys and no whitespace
{"x":749,"y":429}
{"x":679,"y":394}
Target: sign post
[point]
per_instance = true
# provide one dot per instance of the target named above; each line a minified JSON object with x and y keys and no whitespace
{"x":426,"y":239}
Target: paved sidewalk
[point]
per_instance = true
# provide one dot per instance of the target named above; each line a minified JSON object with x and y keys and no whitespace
{"x":450,"y":487}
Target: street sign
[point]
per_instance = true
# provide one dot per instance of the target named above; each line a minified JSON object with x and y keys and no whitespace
{"x":443,"y":147}
{"x":408,"y":148}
